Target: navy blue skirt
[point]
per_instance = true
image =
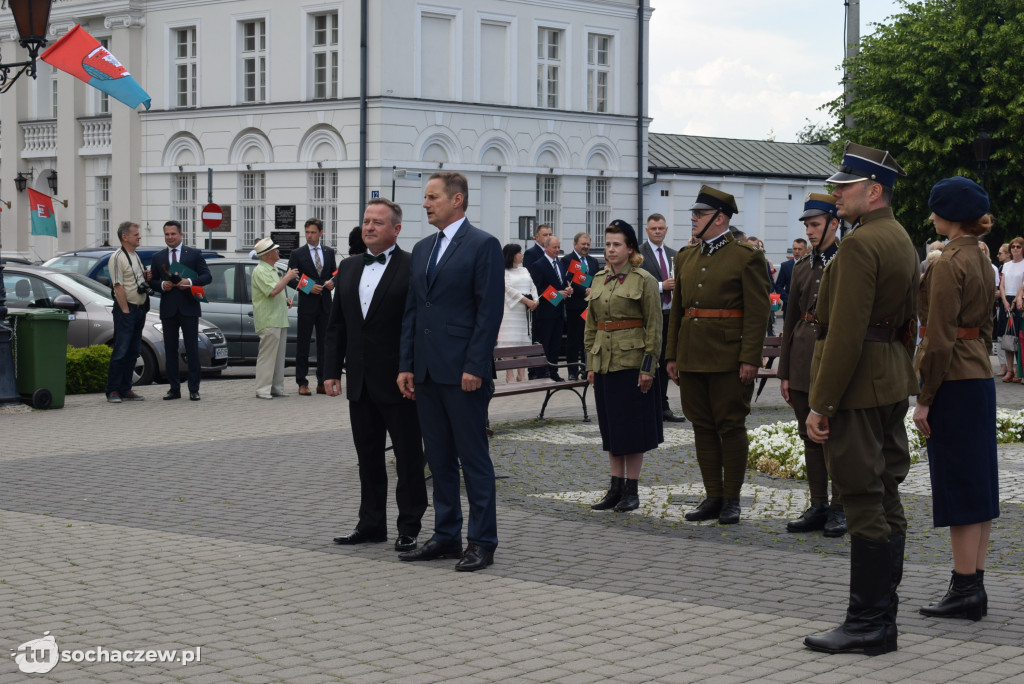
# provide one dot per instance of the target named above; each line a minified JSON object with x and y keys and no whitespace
{"x":630,"y":421}
{"x":962,"y":453}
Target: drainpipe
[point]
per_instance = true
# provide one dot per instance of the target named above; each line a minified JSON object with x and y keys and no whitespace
{"x":362,"y":109}
{"x":640,"y":114}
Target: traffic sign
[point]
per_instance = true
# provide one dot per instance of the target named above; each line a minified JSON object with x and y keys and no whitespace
{"x":212,"y":216}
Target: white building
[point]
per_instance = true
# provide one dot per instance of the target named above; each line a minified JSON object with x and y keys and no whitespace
{"x":534,"y":101}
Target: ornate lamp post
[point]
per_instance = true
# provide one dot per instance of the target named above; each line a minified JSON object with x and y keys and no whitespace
{"x":31,"y":17}
{"x":982,"y":148}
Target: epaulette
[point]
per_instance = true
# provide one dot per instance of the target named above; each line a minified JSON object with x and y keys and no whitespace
{"x":747,"y":245}
{"x":683,"y":249}
{"x":805,"y":257}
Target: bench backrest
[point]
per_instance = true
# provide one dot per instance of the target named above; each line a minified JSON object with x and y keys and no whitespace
{"x":527,"y":356}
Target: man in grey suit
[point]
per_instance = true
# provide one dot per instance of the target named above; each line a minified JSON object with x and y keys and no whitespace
{"x":452,"y":314}
{"x":658,"y":260}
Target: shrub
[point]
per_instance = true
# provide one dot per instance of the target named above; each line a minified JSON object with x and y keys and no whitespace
{"x":87,"y":369}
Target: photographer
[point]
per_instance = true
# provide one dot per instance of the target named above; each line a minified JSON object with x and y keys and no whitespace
{"x":131,"y":303}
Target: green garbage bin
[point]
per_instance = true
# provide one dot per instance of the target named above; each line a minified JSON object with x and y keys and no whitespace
{"x":41,"y":355}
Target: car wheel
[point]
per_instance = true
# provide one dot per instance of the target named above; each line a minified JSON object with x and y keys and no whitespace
{"x":145,"y":367}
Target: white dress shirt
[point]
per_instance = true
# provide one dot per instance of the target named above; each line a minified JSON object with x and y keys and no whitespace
{"x":368,"y":281}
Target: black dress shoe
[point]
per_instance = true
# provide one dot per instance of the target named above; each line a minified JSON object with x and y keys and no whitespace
{"x":433,"y":549}
{"x":812,"y":519}
{"x":835,"y":526}
{"x":670,"y":417}
{"x":172,"y":394}
{"x":405,"y":543}
{"x":475,"y":558}
{"x":557,"y":378}
{"x":193,"y":396}
{"x":360,"y":537}
{"x":708,"y":509}
{"x":730,"y":514}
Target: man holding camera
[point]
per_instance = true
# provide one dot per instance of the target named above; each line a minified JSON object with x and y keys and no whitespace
{"x":179,"y":308}
{"x":131,"y":303}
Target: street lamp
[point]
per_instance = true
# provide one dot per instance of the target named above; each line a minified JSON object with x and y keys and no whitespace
{"x":21,"y":181}
{"x":982,"y":148}
{"x":31,"y":17}
{"x":51,"y":181}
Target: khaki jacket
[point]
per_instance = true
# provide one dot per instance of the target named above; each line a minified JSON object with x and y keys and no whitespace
{"x":873,"y":278}
{"x":733,"y":277}
{"x":632,"y":348}
{"x":956,"y":291}
{"x":799,"y":336}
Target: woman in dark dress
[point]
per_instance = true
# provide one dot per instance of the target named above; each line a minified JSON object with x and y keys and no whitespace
{"x":623,"y":341}
{"x":956,"y":409}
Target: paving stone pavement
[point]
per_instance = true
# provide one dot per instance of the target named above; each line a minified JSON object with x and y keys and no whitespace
{"x":182,"y":525}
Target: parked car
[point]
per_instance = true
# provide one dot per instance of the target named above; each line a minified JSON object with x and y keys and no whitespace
{"x":90,"y":305}
{"x":14,"y":260}
{"x":230,"y":309}
{"x":92,"y":262}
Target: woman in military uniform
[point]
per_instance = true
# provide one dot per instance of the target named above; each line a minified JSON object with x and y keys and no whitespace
{"x":956,"y":409}
{"x":623,"y":342}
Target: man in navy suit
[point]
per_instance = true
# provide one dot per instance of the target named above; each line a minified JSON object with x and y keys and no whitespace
{"x":316,"y":261}
{"x":179,"y":309}
{"x":548,"y":319}
{"x":452,"y":314}
{"x":363,"y":336}
{"x":534,"y":253}
{"x":575,"y":353}
{"x":785,"y":277}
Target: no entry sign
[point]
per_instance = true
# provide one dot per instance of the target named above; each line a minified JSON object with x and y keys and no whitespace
{"x":212,"y":216}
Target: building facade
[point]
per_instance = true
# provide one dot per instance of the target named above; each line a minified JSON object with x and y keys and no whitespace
{"x":534,"y":101}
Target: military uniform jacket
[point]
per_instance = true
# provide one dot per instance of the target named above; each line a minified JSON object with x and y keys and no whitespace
{"x":735,"y":276}
{"x":956,"y":291}
{"x":873,"y":278}
{"x":798,"y":337}
{"x":634,"y":298}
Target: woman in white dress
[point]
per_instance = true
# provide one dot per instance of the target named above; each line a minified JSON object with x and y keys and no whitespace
{"x":520,"y":299}
{"x":1013,"y":298}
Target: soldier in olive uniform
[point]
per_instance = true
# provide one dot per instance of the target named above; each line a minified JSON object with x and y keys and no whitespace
{"x":716,"y":332}
{"x":799,"y":334}
{"x":861,"y":377}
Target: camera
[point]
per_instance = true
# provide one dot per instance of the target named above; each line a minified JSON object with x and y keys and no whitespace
{"x":146,"y":290}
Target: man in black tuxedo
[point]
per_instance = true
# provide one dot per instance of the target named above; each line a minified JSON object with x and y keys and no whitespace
{"x":548,"y":319}
{"x":534,"y":253}
{"x":658,"y":260}
{"x":452,"y":314}
{"x":363,"y":337}
{"x":179,"y":309}
{"x":575,"y":353}
{"x":316,"y":261}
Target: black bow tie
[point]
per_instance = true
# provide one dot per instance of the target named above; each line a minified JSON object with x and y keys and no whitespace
{"x":621,"y":277}
{"x":368,"y":258}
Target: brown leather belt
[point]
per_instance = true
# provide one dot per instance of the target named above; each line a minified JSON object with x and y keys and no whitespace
{"x":712,"y":313}
{"x":620,"y":325}
{"x":961,"y":333}
{"x":872,"y":334}
{"x":808,"y":316}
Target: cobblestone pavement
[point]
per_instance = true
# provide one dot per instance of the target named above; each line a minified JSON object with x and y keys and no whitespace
{"x":183,"y":525}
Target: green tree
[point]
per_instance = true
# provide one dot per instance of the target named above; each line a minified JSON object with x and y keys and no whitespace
{"x":925,"y":85}
{"x":815,"y":133}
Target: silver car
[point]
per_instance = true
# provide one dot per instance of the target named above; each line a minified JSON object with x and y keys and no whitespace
{"x":90,"y":305}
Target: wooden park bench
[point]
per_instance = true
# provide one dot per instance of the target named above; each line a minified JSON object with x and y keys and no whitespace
{"x":772,"y":350}
{"x":532,"y":356}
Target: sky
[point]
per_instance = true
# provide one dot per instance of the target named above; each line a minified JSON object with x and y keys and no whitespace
{"x":748,"y":69}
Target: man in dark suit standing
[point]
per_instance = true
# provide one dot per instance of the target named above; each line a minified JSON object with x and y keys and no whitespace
{"x":179,"y":309}
{"x":363,"y":336}
{"x":316,"y":261}
{"x":452,"y":314}
{"x":658,"y":260}
{"x":784,"y":281}
{"x":575,"y":353}
{"x":534,"y":253}
{"x":549,"y":319}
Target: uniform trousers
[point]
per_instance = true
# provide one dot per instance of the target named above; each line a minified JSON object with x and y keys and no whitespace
{"x":270,"y":360}
{"x":868,"y":457}
{"x":372,"y":422}
{"x":814,"y":453}
{"x":717,"y":405}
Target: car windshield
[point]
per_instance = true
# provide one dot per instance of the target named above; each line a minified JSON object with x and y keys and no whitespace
{"x":82,"y":287}
{"x":74,"y":263}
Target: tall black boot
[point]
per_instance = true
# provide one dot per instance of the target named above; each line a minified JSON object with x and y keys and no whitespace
{"x":984,"y":594}
{"x":630,"y":500}
{"x":898,"y":542}
{"x":866,"y":626}
{"x":613,"y":496}
{"x":963,"y":600}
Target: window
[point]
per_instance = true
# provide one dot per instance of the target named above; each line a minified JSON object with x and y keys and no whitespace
{"x":324,"y":204}
{"x":103,"y":210}
{"x":548,"y":191}
{"x":53,"y":93}
{"x":598,"y":210}
{"x":222,"y":285}
{"x":103,"y":101}
{"x":325,"y":56}
{"x":185,"y":206}
{"x":437,"y":57}
{"x":254,"y":61}
{"x":186,"y":65}
{"x":254,"y":192}
{"x":549,"y":65}
{"x":598,"y":72}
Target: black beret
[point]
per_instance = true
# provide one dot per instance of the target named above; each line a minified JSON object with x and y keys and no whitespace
{"x":958,"y":199}
{"x":628,"y":231}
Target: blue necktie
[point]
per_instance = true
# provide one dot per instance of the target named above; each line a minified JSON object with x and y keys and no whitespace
{"x":434,"y":253}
